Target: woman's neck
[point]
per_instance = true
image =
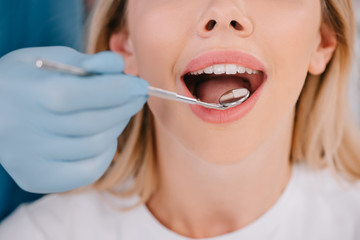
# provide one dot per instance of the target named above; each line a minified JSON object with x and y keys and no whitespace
{"x":200,"y":199}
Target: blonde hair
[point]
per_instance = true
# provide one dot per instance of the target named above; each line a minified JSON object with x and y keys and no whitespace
{"x":325,"y":134}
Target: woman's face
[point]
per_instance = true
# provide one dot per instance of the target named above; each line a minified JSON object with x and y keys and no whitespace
{"x":278,"y":40}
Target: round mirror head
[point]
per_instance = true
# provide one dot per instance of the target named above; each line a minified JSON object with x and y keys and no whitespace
{"x":234,"y":97}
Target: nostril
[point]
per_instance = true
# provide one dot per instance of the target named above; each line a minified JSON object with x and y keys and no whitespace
{"x":236,"y":25}
{"x":210,"y":25}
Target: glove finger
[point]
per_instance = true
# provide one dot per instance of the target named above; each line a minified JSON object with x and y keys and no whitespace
{"x":101,"y":63}
{"x":60,"y":176}
{"x":59,"y":54}
{"x":104,"y":62}
{"x":71,"y":94}
{"x":86,"y":123}
{"x":73,"y":149}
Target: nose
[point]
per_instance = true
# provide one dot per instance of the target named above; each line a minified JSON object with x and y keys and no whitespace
{"x":224,"y":16}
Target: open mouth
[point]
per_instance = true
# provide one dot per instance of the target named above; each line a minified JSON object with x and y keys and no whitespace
{"x":210,"y":83}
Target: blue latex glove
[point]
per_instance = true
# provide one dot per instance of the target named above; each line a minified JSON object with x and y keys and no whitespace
{"x":57,"y":131}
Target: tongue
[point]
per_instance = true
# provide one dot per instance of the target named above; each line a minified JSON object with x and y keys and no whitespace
{"x":211,"y":90}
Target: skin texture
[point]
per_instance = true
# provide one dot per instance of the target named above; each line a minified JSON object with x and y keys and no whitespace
{"x":216,"y":178}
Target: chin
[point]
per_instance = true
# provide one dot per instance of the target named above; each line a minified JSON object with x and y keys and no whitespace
{"x":218,"y":153}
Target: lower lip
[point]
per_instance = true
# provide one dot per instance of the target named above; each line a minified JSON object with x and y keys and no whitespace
{"x":228,"y":115}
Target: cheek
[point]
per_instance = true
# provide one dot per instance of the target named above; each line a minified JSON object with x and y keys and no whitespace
{"x":158,"y":35}
{"x":289,"y":37}
{"x":287,"y":29}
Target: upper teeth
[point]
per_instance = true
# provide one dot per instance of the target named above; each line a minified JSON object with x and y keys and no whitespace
{"x":225,"y":69}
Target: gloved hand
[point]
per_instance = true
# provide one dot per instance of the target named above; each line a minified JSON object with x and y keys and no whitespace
{"x":58,"y":131}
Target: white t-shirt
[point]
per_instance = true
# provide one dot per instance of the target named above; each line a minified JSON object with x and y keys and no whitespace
{"x":313,"y":207}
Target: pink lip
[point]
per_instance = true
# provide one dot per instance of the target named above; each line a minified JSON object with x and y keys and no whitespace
{"x":224,"y":57}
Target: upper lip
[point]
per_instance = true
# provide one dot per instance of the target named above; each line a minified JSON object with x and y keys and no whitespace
{"x":224,"y":57}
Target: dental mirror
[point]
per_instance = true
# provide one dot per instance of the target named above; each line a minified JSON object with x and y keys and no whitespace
{"x":229,"y":99}
{"x":234,"y":97}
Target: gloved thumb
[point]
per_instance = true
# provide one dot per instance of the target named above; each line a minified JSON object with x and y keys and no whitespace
{"x":104,"y":62}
